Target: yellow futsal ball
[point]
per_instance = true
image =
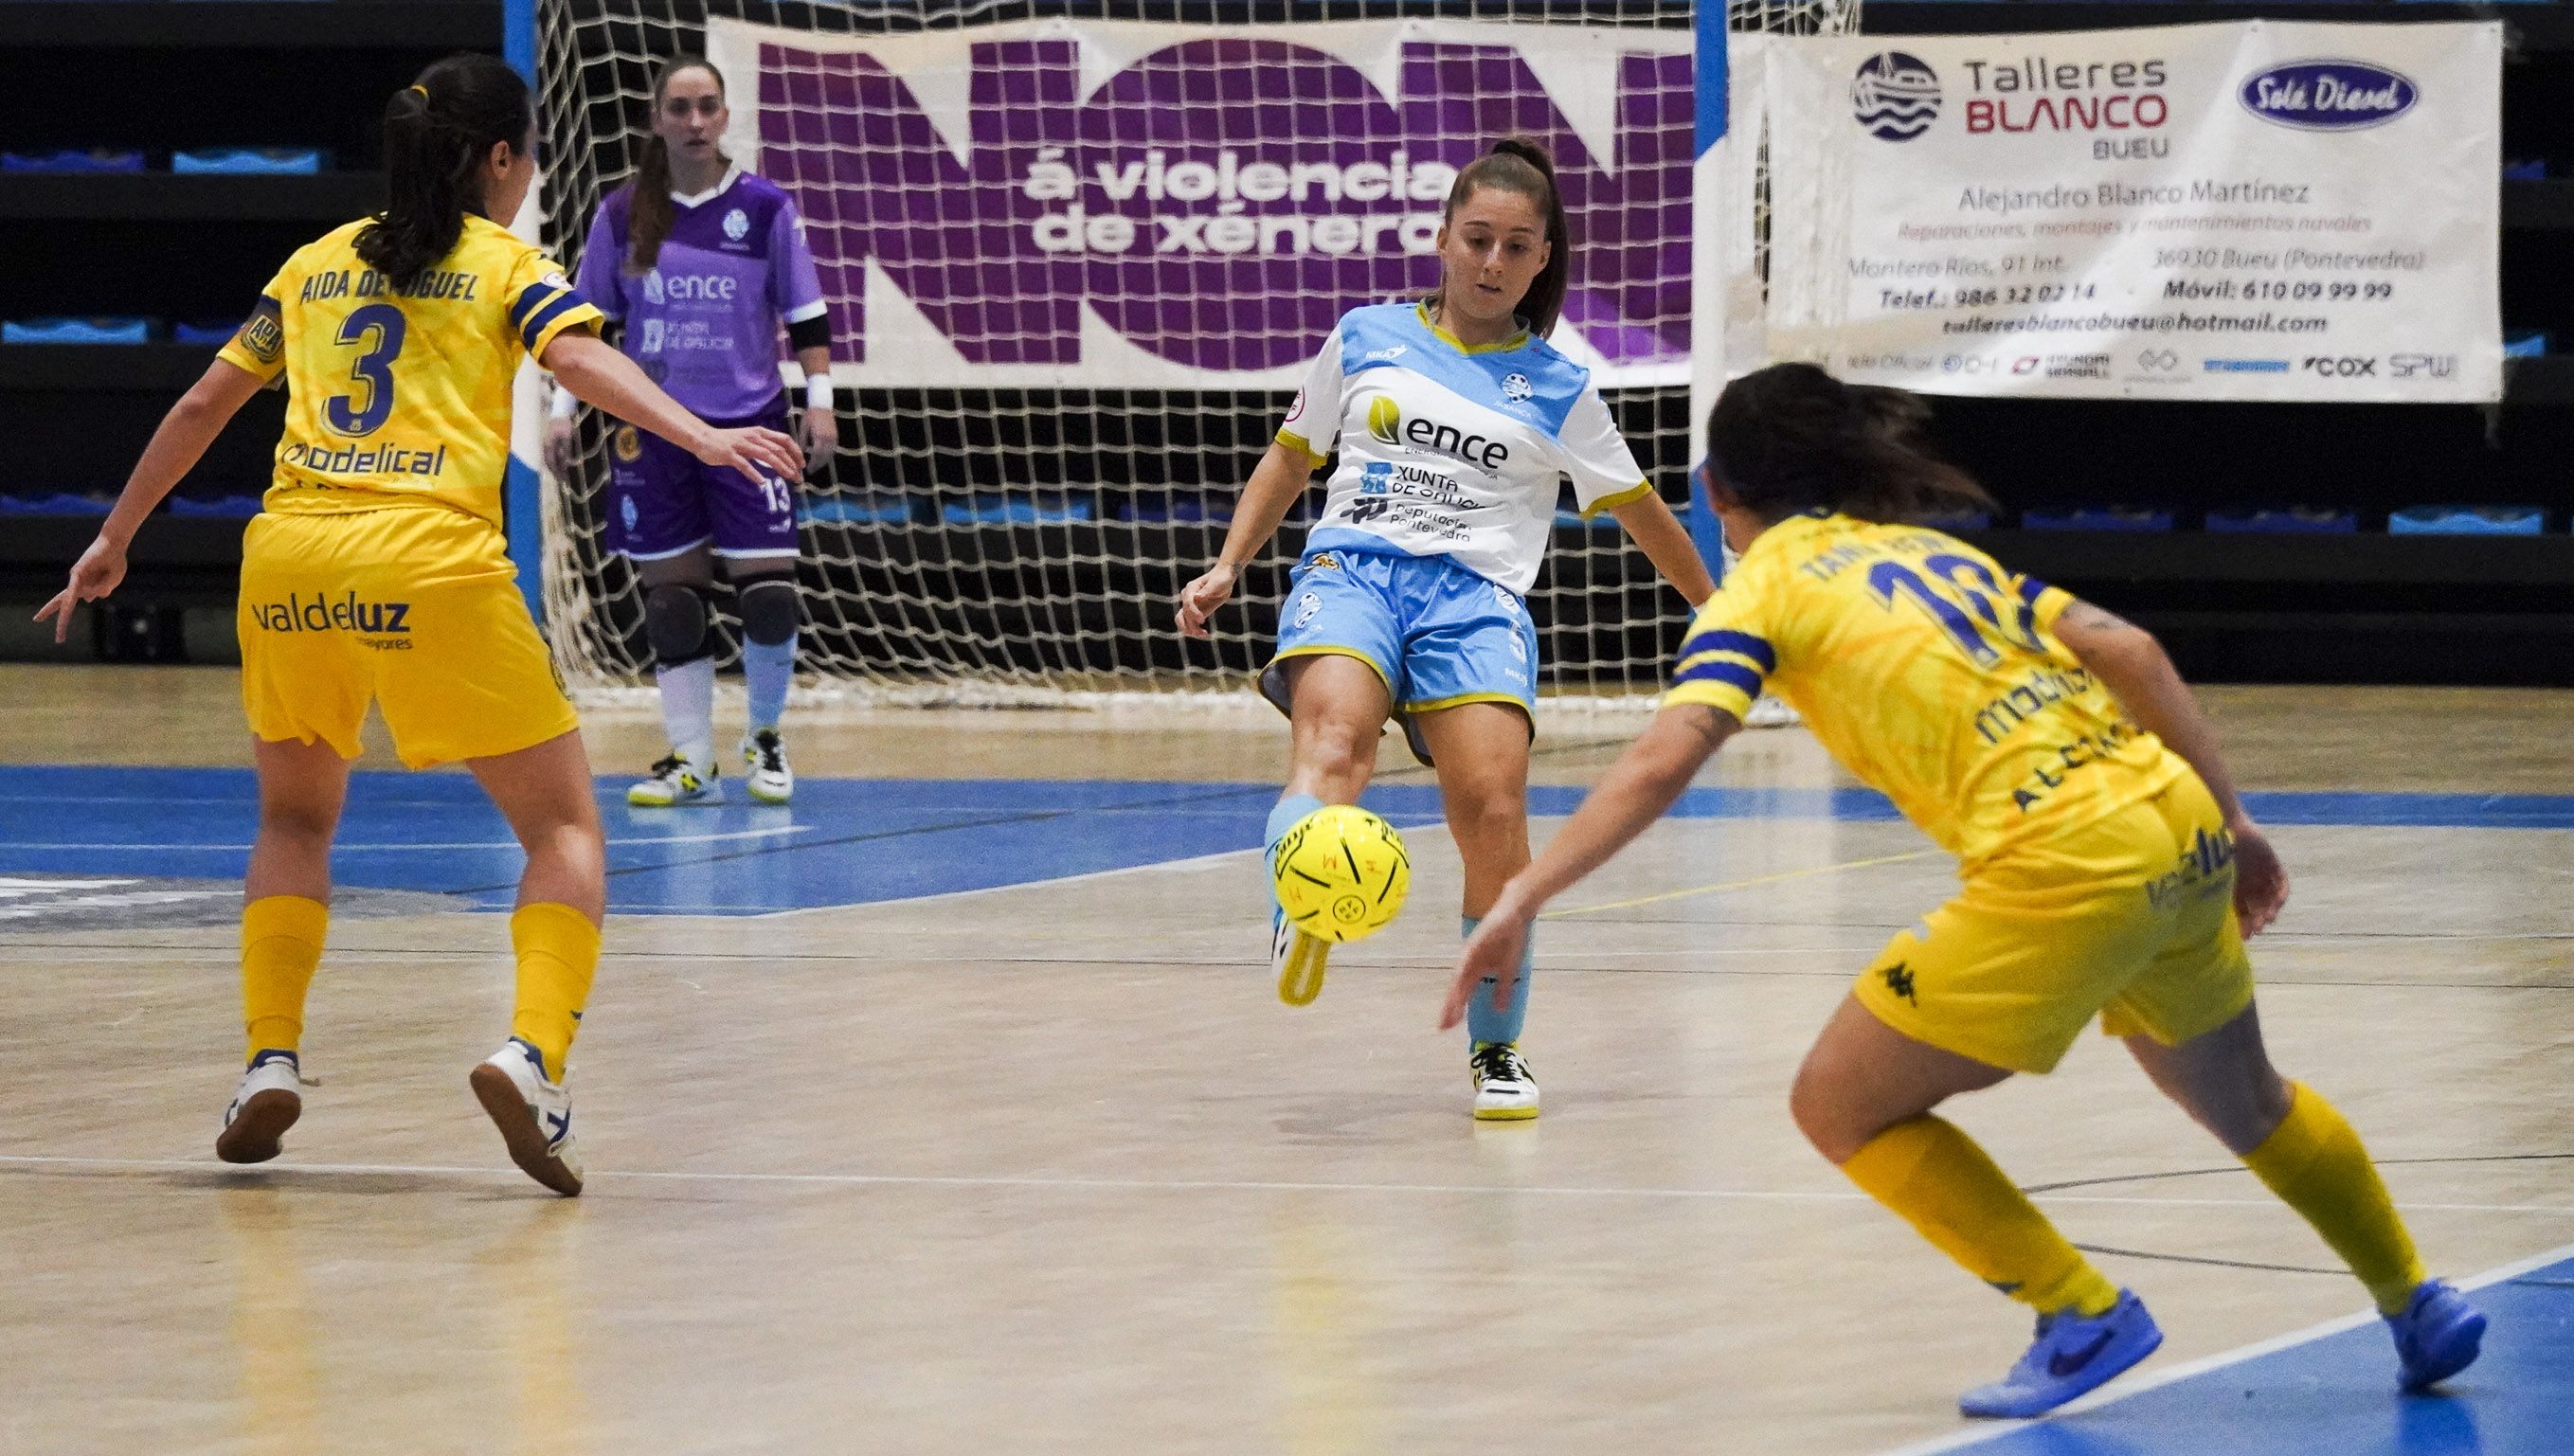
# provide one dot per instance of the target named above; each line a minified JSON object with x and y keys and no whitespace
{"x":1342,"y":874}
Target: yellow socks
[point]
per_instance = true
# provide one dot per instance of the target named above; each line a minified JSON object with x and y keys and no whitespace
{"x":558,"y":952}
{"x":2317,"y":1167}
{"x":281,"y":948}
{"x":1941,"y":1183}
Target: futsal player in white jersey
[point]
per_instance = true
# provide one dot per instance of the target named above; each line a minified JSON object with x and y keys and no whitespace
{"x":1454,"y":423}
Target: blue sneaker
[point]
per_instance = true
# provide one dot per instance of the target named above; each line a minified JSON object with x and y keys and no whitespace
{"x":2071,"y":1356}
{"x":2438,"y":1335}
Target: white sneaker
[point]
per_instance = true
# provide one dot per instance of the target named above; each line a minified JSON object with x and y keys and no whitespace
{"x":1298,"y":959}
{"x":269,"y":1099}
{"x":534,"y":1115}
{"x":1505,"y":1091}
{"x":677,"y":780}
{"x":1771,"y":713}
{"x":764,"y":759}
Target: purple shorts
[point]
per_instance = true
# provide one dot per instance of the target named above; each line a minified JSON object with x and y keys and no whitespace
{"x":662,"y":502}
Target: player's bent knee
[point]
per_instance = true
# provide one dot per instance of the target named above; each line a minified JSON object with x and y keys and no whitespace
{"x":768,"y":609}
{"x":678,"y":622}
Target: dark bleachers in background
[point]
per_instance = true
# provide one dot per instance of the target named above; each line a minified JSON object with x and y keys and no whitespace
{"x":155,"y":74}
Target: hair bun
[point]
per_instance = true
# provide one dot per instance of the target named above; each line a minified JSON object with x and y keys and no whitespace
{"x":1529,"y":150}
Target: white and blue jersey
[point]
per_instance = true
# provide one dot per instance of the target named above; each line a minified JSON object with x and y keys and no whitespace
{"x":1450,"y":451}
{"x":1437,"y":517}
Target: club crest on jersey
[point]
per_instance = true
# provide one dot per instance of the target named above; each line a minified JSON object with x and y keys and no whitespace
{"x":1517,"y":389}
{"x":1388,"y":427}
{"x":736,"y":225}
{"x":628,"y":444}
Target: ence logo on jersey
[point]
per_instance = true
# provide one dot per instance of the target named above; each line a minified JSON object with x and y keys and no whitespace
{"x":1387,"y":425}
{"x":351,"y":613}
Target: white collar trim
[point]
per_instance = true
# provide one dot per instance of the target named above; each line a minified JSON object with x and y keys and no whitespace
{"x":731,"y":176}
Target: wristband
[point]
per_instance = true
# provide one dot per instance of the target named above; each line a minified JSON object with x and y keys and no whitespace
{"x":818,"y":391}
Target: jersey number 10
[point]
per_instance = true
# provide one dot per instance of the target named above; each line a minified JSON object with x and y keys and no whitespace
{"x":1972,"y":588}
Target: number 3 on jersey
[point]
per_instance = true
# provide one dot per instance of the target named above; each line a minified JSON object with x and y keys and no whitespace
{"x":380,"y":328}
{"x":1972,"y":583}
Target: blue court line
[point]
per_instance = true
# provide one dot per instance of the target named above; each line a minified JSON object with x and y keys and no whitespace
{"x":2333,"y":1395}
{"x":862,"y":841}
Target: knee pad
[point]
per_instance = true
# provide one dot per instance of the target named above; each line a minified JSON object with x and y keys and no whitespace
{"x":677,"y":618}
{"x":768,"y":609}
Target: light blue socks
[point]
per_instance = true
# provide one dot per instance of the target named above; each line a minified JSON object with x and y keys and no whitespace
{"x":1290,"y":810}
{"x":1483,"y":1022}
{"x":767,"y":671}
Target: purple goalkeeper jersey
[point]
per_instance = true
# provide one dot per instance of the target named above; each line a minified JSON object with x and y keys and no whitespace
{"x":704,"y":322}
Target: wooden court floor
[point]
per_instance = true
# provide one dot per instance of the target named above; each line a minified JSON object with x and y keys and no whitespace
{"x":1048,"y":1167}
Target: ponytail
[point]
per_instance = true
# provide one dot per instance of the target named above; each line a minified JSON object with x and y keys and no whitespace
{"x":1523,"y":165}
{"x":1791,"y":439}
{"x":648,"y":212}
{"x":438,"y":130}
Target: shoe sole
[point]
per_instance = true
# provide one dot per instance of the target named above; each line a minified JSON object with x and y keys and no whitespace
{"x":633,"y":802}
{"x":1301,"y":979}
{"x":510,"y":1113}
{"x":1505,"y":1114}
{"x":2095,"y":1377}
{"x":254,"y":1134}
{"x":773,"y":797}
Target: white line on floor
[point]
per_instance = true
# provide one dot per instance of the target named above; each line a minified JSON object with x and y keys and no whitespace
{"x":426,"y":845}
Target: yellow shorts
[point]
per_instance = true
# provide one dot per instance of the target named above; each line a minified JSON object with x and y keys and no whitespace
{"x":2130,"y":919}
{"x":417,"y":608}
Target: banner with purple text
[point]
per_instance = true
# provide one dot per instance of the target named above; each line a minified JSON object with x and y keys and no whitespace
{"x":2257,"y":211}
{"x":1120,"y":205}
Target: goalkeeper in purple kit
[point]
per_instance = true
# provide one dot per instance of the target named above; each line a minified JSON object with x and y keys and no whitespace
{"x":701,"y":262}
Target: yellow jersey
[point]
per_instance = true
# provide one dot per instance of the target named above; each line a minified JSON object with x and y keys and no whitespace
{"x":402,"y":399}
{"x":1930,"y":673}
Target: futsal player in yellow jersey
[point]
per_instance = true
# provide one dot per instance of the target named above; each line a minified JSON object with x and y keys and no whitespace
{"x":2108,"y":868}
{"x":377,"y":573}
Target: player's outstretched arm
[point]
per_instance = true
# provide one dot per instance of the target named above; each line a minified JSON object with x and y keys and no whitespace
{"x":2139,"y":674}
{"x":1275,"y":484}
{"x":1638,"y":789}
{"x":176,"y":446}
{"x":1666,"y":542}
{"x":597,"y":375}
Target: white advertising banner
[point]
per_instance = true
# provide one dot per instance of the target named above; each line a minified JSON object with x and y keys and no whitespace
{"x":2257,"y":211}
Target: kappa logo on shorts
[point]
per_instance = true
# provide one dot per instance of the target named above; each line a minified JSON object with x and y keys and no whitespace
{"x":1308,"y":606}
{"x":627,"y":511}
{"x":1898,"y":982}
{"x":628,"y":444}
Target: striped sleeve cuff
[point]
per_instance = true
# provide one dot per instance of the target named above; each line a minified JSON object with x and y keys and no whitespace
{"x":1723,"y":669}
{"x":2045,"y":603}
{"x":544,"y":310}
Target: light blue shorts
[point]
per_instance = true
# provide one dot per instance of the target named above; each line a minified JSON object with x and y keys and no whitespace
{"x":1439,"y":634}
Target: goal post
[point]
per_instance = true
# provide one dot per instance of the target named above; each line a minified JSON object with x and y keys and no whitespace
{"x":1076,"y":265}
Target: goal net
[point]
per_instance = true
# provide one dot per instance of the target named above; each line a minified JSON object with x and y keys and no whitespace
{"x":1077,"y":263}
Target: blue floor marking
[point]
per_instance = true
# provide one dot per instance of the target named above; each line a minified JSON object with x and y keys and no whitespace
{"x":2336,"y":1396}
{"x":859,"y":841}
